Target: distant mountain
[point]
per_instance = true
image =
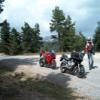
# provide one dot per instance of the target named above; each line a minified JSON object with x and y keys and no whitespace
{"x":47,"y":38}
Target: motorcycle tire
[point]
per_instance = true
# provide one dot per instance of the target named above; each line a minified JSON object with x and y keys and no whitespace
{"x":79,"y":72}
{"x":82,"y":72}
{"x":54,"y":65}
{"x":41,"y":62}
{"x":62,"y":68}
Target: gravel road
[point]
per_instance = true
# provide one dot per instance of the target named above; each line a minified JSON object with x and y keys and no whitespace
{"x":89,"y":86}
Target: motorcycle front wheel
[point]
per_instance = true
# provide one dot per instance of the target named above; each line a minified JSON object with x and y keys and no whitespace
{"x":42,"y":62}
{"x":62,"y":68}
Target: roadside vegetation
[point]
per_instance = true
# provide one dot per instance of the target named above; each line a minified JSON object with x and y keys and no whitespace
{"x":14,"y":87}
{"x":64,"y":38}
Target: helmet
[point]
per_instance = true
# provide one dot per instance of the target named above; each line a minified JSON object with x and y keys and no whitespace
{"x":52,"y":51}
{"x":89,"y":39}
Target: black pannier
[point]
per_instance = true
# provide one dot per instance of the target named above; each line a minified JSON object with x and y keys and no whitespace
{"x":77,"y":56}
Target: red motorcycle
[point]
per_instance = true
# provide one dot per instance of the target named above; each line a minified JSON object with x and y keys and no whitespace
{"x":48,"y":60}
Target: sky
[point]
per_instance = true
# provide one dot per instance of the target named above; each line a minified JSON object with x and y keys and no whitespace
{"x":85,"y":13}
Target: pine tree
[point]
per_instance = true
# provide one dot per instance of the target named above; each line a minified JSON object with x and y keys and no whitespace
{"x":57,"y":22}
{"x":68,"y":38}
{"x":1,"y":5}
{"x":1,"y":8}
{"x":37,"y":38}
{"x":97,"y":37}
{"x":26,"y":38}
{"x":5,"y":37}
{"x":65,"y":29}
{"x":80,"y":42}
{"x":15,"y":42}
{"x":31,"y":41}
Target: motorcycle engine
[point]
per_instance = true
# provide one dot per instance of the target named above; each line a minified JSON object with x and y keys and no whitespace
{"x":70,"y":64}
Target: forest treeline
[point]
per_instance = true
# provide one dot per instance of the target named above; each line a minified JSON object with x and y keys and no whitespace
{"x":28,"y":40}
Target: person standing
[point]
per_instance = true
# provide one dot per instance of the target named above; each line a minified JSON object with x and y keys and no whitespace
{"x":89,"y":49}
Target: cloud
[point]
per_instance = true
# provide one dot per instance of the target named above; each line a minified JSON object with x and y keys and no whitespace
{"x":84,"y":12}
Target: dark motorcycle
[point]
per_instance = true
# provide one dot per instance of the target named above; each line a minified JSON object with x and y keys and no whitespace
{"x":73,"y":64}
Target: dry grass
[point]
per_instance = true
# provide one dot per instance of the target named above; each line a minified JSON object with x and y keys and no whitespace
{"x":13,"y":87}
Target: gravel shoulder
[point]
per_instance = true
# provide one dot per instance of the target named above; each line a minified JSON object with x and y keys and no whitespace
{"x":90,"y":86}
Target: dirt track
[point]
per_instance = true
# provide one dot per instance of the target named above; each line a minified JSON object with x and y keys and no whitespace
{"x":90,"y":86}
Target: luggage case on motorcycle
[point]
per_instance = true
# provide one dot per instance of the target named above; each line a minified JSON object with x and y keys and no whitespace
{"x":77,"y":56}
